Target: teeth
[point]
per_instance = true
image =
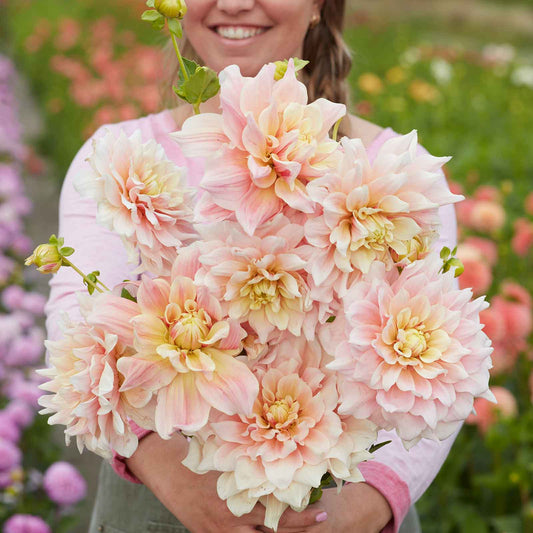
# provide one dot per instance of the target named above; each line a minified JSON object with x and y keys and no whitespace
{"x":238,"y":32}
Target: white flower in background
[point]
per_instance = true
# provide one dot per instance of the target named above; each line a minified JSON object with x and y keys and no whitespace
{"x":523,"y":76}
{"x":499,"y":53}
{"x":442,"y":70}
{"x":410,"y":56}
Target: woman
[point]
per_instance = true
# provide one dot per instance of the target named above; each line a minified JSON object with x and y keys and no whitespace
{"x":248,"y":33}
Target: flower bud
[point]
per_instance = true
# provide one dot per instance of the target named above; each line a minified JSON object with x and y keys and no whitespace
{"x":46,"y":257}
{"x":171,"y":9}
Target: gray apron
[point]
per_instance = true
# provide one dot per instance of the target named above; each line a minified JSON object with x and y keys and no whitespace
{"x":124,"y":507}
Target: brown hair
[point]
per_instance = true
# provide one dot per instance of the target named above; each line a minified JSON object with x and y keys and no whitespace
{"x":324,"y":47}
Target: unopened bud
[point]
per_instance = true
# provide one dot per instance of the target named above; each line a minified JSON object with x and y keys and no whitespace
{"x":171,"y":9}
{"x":46,"y":257}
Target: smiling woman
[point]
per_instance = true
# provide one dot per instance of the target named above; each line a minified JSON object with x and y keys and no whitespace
{"x":246,"y":33}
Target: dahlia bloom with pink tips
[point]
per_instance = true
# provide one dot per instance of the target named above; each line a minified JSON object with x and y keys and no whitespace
{"x":84,"y":383}
{"x":141,"y":196}
{"x":416,"y":356}
{"x":268,"y":144}
{"x":185,"y":357}
{"x":278,"y":453}
{"x":385,"y":211}
{"x":261,"y":277}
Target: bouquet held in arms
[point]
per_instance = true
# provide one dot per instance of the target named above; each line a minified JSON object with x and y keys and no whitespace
{"x":284,"y":313}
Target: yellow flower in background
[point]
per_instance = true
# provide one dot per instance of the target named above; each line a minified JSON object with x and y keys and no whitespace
{"x":422,"y":91}
{"x":370,"y":83}
{"x":395,"y":75}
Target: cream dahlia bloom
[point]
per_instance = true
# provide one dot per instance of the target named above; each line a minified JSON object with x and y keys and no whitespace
{"x":416,"y":356}
{"x":293,"y":437}
{"x":185,"y":356}
{"x":268,"y":142}
{"x":259,"y":276}
{"x":385,"y":211}
{"x":141,"y":196}
{"x":84,"y":383}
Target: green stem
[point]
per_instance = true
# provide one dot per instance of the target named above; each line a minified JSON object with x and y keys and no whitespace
{"x":180,"y":59}
{"x":106,"y":288}
{"x":66,"y":262}
{"x":196,"y":108}
{"x":336,"y":128}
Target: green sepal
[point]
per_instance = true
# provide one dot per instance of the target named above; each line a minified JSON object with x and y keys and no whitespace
{"x":281,"y":67}
{"x":174,"y":26}
{"x":57,"y":241}
{"x":202,"y":85}
{"x":66,"y":251}
{"x":316,"y":493}
{"x":331,"y":319}
{"x":376,"y":447}
{"x":445,"y":253}
{"x":154,"y":18}
{"x":458,"y":264}
{"x":150,"y":3}
{"x":126,"y":294}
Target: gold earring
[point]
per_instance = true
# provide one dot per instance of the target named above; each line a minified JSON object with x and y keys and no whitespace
{"x":315,"y":20}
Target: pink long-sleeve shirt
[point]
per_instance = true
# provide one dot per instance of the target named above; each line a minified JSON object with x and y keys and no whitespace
{"x":401,"y":476}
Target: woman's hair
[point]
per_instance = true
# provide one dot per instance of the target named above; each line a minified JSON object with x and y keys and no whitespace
{"x":324,"y":47}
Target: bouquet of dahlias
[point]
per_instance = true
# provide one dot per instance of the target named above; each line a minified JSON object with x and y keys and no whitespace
{"x":284,"y":313}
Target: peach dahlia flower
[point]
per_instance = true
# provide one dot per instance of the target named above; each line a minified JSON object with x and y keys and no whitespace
{"x":374,"y":212}
{"x":416,"y":356}
{"x":259,"y":276}
{"x":84,"y":383}
{"x":141,"y":196}
{"x":268,"y":141}
{"x":185,"y":356}
{"x":294,"y":435}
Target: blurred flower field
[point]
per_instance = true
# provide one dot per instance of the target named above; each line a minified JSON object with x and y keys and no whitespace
{"x":92,"y":62}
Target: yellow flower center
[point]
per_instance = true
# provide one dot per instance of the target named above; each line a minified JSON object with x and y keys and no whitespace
{"x":260,"y":293}
{"x":411,"y":342}
{"x":281,"y":414}
{"x":187,"y":327}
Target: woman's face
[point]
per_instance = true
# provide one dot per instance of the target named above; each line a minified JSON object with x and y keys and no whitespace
{"x":248,"y":33}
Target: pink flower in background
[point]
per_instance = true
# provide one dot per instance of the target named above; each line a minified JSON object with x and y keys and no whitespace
{"x":68,"y":34}
{"x":489,"y":193}
{"x":372,"y":211}
{"x":293,"y":436}
{"x":64,"y":484}
{"x":416,"y":355}
{"x":269,"y":142}
{"x":260,"y":276}
{"x":9,"y":430}
{"x":515,"y":292}
{"x":84,"y":383}
{"x":25,"y":523}
{"x":141,"y":195}
{"x":185,"y":361}
{"x":487,"y":216}
{"x":523,"y":237}
{"x":20,"y":413}
{"x":10,"y":455}
{"x":488,"y":413}
{"x":487,"y":248}
{"x":478,"y":273}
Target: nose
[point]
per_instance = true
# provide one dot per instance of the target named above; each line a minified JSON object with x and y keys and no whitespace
{"x":232,"y":7}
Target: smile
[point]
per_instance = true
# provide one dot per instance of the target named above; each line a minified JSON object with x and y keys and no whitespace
{"x":239,"y":32}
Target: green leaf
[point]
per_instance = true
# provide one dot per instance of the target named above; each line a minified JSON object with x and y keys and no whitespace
{"x":445,"y":253}
{"x":150,"y":15}
{"x":66,"y":251}
{"x":375,"y":447}
{"x":174,"y":25}
{"x":202,"y":85}
{"x":281,"y":67}
{"x":316,"y":494}
{"x":331,"y":319}
{"x":150,"y":3}
{"x":125,"y":294}
{"x":458,"y":264}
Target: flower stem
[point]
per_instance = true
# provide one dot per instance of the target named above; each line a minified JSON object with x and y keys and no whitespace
{"x":336,"y":128}
{"x":66,"y":262}
{"x":180,"y":59}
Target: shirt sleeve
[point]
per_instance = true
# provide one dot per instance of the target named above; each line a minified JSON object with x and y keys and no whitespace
{"x":403,"y":476}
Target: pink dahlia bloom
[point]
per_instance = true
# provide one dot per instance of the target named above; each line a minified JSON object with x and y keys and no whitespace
{"x":416,"y":356}
{"x":269,"y":143}
{"x":261,"y":277}
{"x":185,"y":358}
{"x":375,"y":212}
{"x":26,"y":523}
{"x":84,"y":383}
{"x":141,"y":196}
{"x":63,"y":484}
{"x":294,"y":435}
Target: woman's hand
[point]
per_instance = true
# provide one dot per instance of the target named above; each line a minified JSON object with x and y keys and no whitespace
{"x":359,"y":508}
{"x":190,"y":497}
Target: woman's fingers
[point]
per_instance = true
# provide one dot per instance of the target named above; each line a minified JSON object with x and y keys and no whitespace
{"x":313,"y":515}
